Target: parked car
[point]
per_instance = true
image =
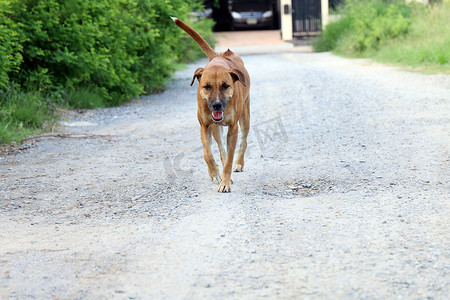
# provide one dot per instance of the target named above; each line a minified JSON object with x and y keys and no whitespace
{"x":251,"y":14}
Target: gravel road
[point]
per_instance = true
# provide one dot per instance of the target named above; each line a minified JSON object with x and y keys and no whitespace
{"x":345,"y":193}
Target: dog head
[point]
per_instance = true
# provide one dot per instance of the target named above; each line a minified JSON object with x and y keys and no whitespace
{"x":216,"y":87}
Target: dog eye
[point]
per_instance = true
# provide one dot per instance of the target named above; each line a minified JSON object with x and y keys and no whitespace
{"x":225,"y":86}
{"x":207,"y":87}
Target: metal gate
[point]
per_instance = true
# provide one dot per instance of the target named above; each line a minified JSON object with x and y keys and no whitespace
{"x":306,"y":17}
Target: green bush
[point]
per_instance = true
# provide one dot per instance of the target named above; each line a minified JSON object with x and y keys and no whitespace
{"x":426,"y":45}
{"x":117,"y":49}
{"x":366,"y":25}
{"x":393,"y":32}
{"x":330,"y":37}
{"x":86,"y":54}
{"x":10,"y":48}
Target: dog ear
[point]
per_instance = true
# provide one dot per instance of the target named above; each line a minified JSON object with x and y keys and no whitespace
{"x":198,"y":73}
{"x":238,"y":75}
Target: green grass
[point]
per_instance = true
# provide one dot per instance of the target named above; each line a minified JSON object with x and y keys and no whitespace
{"x":86,"y":98}
{"x":412,"y":36}
{"x":426,"y":47}
{"x":23,"y":114}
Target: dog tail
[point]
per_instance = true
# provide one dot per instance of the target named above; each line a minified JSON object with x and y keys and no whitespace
{"x":206,"y":48}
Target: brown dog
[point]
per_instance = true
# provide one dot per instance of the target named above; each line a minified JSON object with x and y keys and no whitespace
{"x":223,"y":99}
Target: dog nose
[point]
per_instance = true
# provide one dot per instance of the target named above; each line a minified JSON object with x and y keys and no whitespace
{"x":217,"y":105}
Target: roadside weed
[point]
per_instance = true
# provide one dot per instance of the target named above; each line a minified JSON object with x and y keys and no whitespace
{"x":392,"y":32}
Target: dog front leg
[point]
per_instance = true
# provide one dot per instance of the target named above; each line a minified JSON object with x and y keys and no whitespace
{"x":244,"y":124}
{"x":213,"y":169}
{"x":217,"y":134}
{"x":225,"y":185}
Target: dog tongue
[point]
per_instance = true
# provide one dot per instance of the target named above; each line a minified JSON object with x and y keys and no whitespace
{"x":217,"y":115}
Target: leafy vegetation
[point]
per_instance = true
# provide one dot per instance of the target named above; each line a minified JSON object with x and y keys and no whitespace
{"x":22,"y":113}
{"x":87,"y":53}
{"x":391,"y":31}
{"x":426,"y":46}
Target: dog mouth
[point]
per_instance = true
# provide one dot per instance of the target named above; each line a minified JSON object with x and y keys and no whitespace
{"x":217,"y":116}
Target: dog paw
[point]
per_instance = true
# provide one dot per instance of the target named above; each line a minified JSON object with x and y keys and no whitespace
{"x":215,"y":178}
{"x":224,"y":187}
{"x":238,"y":168}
